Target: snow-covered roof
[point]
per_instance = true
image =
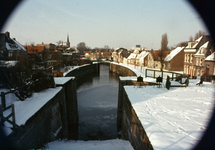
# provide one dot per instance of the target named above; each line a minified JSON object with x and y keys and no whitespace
{"x":17,"y":47}
{"x":173,"y":53}
{"x":132,"y":55}
{"x":202,"y":50}
{"x":142,"y":55}
{"x":8,"y":64}
{"x":198,"y":40}
{"x":211,"y":57}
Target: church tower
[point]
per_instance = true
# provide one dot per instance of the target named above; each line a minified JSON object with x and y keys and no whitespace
{"x":68,"y":43}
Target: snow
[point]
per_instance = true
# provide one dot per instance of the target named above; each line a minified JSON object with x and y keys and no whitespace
{"x":132,"y":55}
{"x":18,"y":46}
{"x":62,"y":80}
{"x":27,"y":108}
{"x":175,"y":118}
{"x":172,"y":119}
{"x":211,"y":57}
{"x":198,"y":40}
{"x":115,"y":144}
{"x":8,"y":64}
{"x":173,"y":53}
{"x":202,"y":50}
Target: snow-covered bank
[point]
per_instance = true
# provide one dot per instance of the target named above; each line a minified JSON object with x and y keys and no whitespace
{"x":115,"y":144}
{"x":175,"y":118}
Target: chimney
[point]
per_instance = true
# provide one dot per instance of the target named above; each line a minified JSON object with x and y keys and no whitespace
{"x":7,"y":34}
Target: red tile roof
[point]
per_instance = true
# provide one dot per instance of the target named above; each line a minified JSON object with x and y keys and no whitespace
{"x":35,"y":49}
{"x":156,"y":52}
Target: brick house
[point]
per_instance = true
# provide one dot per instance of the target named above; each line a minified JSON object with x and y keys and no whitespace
{"x":210,"y":65}
{"x":53,"y":58}
{"x":101,"y":53}
{"x":175,"y":60}
{"x":142,"y":58}
{"x":34,"y":51}
{"x":10,"y":49}
{"x":195,"y":54}
{"x":119,"y":54}
{"x":154,"y":60}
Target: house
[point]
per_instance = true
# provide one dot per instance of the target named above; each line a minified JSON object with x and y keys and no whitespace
{"x":10,"y":49}
{"x":210,"y":65}
{"x":195,"y":54}
{"x":120,"y":54}
{"x":71,"y":53}
{"x":52,"y":58}
{"x":142,"y":59}
{"x":34,"y":51}
{"x":87,"y":54}
{"x":175,"y":60}
{"x":49,"y":47}
{"x":154,"y":59}
{"x":100,"y":53}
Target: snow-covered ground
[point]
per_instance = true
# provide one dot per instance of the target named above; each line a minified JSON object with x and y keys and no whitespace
{"x":115,"y":144}
{"x":176,"y":118}
{"x":173,"y":119}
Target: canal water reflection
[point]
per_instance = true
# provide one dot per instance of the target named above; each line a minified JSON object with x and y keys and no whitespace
{"x":97,"y":105}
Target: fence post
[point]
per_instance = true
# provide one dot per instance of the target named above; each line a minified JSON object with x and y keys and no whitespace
{"x":1,"y":115}
{"x":3,"y":100}
{"x":154,"y":73}
{"x":172,"y":76}
{"x":146,"y":73}
{"x":13,"y":111}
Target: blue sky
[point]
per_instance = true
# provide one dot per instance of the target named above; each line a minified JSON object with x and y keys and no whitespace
{"x":116,"y":23}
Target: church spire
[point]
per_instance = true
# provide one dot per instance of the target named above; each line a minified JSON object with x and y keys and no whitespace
{"x":68,"y":43}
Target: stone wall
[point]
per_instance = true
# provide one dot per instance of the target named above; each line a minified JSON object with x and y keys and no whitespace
{"x":40,"y":128}
{"x":132,"y":128}
{"x":83,"y":70}
{"x":121,"y":70}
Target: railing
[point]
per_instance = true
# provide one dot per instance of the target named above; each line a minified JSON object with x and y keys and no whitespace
{"x":172,"y":75}
{"x":3,"y":108}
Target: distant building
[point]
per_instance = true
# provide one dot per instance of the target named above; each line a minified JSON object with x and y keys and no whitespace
{"x":195,"y":54}
{"x":175,"y":60}
{"x":210,"y":65}
{"x":49,"y":47}
{"x":10,"y":49}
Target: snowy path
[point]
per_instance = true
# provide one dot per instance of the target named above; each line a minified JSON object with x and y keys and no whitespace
{"x":115,"y":144}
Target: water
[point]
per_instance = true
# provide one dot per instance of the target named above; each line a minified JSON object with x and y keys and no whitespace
{"x":97,"y":105}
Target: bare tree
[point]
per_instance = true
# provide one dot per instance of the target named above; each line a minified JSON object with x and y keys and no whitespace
{"x":161,"y":55}
{"x":191,"y":38}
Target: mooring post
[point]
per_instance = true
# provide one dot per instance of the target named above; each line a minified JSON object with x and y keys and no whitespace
{"x":3,"y":100}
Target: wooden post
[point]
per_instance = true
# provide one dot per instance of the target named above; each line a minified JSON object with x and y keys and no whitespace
{"x":3,"y":100}
{"x":13,"y":111}
{"x":172,"y":76}
{"x":154,"y":73}
{"x":146,"y":73}
{"x":1,"y":115}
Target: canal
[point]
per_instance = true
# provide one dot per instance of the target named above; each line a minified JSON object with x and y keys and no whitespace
{"x":97,"y":96}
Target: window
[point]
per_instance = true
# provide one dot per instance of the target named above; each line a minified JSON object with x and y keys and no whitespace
{"x":198,"y":72}
{"x":191,"y":58}
{"x":10,"y":54}
{"x":188,"y":57}
{"x":202,"y":72}
{"x":214,"y":70}
{"x":187,"y":71}
{"x":185,"y":58}
{"x":184,"y":68}
{"x":200,"y":62}
{"x":197,"y":61}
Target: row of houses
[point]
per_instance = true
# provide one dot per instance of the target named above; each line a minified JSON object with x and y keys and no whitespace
{"x":195,"y":59}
